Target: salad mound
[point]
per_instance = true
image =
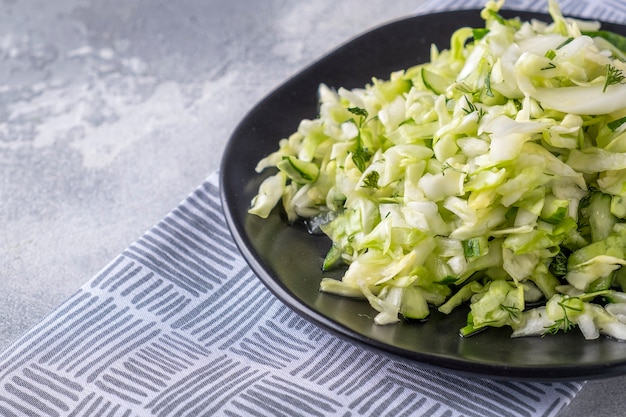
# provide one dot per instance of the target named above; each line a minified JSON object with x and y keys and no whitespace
{"x":493,"y":176}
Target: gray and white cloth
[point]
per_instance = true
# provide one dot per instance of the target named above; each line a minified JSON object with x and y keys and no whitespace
{"x":178,"y":325}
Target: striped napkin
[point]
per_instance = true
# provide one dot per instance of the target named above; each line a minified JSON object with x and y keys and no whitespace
{"x":178,"y":325}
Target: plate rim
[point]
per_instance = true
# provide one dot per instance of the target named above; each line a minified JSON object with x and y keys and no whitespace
{"x":570,"y":372}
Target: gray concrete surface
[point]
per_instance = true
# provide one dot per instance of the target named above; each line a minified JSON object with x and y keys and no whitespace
{"x":111,"y":112}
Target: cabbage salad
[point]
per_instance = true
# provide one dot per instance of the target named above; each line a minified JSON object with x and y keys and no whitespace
{"x":492,"y":176}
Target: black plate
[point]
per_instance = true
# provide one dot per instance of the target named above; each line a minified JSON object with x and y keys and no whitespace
{"x":287,"y":259}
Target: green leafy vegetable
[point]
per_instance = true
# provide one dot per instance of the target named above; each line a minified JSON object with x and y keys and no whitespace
{"x":613,"y":76}
{"x":615,"y":124}
{"x":479,"y":33}
{"x":359,"y":112}
{"x":615,"y":39}
{"x":558,"y":264}
{"x":492,"y":177}
{"x":569,"y":307}
{"x":565,"y":42}
{"x":371,"y":179}
{"x":361,"y":155}
{"x":550,"y":54}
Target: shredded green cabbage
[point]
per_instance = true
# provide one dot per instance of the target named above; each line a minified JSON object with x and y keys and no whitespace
{"x":493,"y":175}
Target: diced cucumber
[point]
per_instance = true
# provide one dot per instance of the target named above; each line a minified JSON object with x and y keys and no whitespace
{"x":475,"y":247}
{"x":618,"y":206}
{"x":414,"y":305}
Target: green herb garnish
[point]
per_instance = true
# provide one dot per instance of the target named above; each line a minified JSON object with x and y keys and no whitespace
{"x":613,"y":76}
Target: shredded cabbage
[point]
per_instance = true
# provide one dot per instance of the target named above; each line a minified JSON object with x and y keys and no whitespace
{"x":491,"y":176}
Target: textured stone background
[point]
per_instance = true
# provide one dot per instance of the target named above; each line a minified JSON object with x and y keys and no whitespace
{"x":111,"y":112}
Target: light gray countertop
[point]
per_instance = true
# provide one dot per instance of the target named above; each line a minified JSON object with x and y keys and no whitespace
{"x":112,"y":112}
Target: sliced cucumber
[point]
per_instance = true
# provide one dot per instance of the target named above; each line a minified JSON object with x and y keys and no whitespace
{"x":299,"y":171}
{"x":601,"y":220}
{"x":434,"y":82}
